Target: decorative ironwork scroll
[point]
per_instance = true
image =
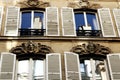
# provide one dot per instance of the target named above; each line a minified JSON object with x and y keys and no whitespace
{"x":91,"y":48}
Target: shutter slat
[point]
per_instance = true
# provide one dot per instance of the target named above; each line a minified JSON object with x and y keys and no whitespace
{"x":12,"y":21}
{"x":106,"y":22}
{"x":54,"y":66}
{"x":7,"y":66}
{"x":114,"y":66}
{"x":116,"y":13}
{"x":68,"y":22}
{"x":52,"y":21}
{"x":72,"y":66}
{"x":1,"y":12}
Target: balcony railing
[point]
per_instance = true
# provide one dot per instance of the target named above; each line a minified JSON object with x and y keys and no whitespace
{"x":31,"y":32}
{"x":92,"y":33}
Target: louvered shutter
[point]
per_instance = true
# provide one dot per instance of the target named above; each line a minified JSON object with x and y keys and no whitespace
{"x":116,"y":13}
{"x":106,"y":22}
{"x":114,"y":66}
{"x":7,"y":66}
{"x":54,"y":66}
{"x":52,"y":21}
{"x":68,"y":22}
{"x":12,"y":21}
{"x":72,"y":66}
{"x":1,"y":12}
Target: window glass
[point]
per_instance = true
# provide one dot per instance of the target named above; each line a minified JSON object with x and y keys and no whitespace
{"x":91,"y":20}
{"x":93,"y":70}
{"x":86,"y":19}
{"x":38,"y":20}
{"x":23,"y":70}
{"x":30,"y":70}
{"x":26,"y":20}
{"x":38,"y":71}
{"x":79,"y":19}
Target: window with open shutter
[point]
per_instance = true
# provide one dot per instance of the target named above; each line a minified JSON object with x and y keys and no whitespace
{"x":1,"y":12}
{"x":114,"y":66}
{"x":53,"y":66}
{"x":7,"y":66}
{"x":12,"y":21}
{"x":72,"y":66}
{"x":52,"y":21}
{"x":116,"y":13}
{"x":106,"y":22}
{"x":68,"y":22}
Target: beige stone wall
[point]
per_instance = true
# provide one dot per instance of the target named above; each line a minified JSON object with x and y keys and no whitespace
{"x":59,"y":46}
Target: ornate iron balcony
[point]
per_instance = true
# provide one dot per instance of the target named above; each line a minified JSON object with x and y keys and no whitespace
{"x":31,"y":32}
{"x":94,"y":33}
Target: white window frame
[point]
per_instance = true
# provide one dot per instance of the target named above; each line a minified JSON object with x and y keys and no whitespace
{"x":85,"y":19}
{"x":30,"y":69}
{"x":93,"y":69}
{"x":32,"y":18}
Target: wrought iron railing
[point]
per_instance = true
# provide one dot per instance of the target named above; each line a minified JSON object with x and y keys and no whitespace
{"x":31,"y":32}
{"x":94,"y":33}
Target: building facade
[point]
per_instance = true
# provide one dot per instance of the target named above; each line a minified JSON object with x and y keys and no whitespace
{"x":59,"y":40}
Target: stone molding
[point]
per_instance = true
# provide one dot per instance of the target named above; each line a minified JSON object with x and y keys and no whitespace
{"x":31,"y":48}
{"x":91,"y":48}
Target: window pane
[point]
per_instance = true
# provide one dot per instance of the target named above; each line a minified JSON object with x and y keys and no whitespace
{"x":100,"y":72}
{"x":79,"y":20}
{"x":91,"y":19}
{"x":86,"y":71}
{"x":38,"y":19}
{"x":23,"y":70}
{"x":38,"y":70}
{"x":26,"y":20}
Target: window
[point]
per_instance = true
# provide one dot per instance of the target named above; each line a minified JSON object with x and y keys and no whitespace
{"x":32,"y":70}
{"x":32,"y":23}
{"x":86,"y":24}
{"x":93,"y":70}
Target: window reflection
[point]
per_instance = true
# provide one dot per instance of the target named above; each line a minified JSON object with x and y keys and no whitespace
{"x":38,"y":70}
{"x":23,"y":70}
{"x":93,"y":70}
{"x":30,"y":70}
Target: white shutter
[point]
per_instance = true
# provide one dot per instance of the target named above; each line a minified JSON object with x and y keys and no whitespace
{"x":7,"y":66}
{"x":54,"y":66}
{"x":12,"y":21}
{"x":68,"y":22}
{"x":1,"y":14}
{"x":114,"y":66}
{"x":72,"y":66}
{"x":106,"y":22}
{"x":116,"y":13}
{"x":52,"y":21}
